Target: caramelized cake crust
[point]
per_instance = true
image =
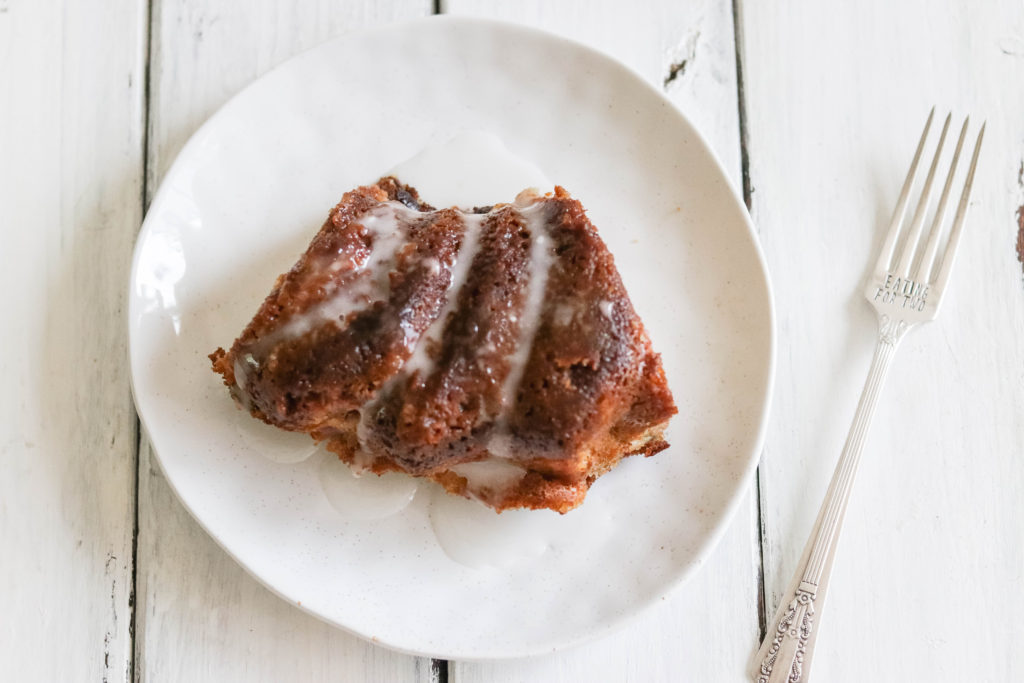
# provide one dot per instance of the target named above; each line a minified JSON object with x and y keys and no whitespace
{"x":493,"y":351}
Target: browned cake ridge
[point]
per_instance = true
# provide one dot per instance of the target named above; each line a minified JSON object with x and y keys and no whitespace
{"x":494,"y":351}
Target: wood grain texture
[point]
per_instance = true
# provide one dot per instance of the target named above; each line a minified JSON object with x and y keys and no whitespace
{"x":200,"y":616}
{"x":929,"y":575}
{"x":71,"y":123}
{"x":704,"y":631}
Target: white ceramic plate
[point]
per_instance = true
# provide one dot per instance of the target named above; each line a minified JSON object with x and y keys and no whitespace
{"x":253,"y":185}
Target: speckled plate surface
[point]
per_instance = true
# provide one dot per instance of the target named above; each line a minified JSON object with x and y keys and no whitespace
{"x":255,"y":182}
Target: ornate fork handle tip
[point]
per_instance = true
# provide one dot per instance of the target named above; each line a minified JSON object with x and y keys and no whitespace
{"x":796,"y":623}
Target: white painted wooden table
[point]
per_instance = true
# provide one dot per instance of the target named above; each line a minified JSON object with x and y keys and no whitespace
{"x":813,"y":108}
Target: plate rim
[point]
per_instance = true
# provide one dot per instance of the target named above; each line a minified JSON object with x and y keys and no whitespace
{"x":728,"y":512}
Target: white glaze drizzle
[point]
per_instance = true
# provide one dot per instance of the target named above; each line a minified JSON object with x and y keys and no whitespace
{"x":373,"y":284}
{"x":469,"y":532}
{"x":366,"y":497}
{"x":420,"y":359}
{"x":241,"y":368}
{"x":475,"y":536}
{"x":496,"y":475}
{"x":276,"y":445}
{"x":499,"y":444}
{"x":241,"y":378}
{"x":432,"y":265}
{"x":372,"y":281}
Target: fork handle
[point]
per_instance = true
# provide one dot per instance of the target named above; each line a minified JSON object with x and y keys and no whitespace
{"x":785,"y":655}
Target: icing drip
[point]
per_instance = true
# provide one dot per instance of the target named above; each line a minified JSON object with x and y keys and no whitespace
{"x":241,"y":368}
{"x":540,"y":264}
{"x":474,"y":536}
{"x":367,"y":497}
{"x":491,"y":474}
{"x":420,"y":359}
{"x":276,"y":445}
{"x":433,"y":266}
{"x":241,"y":376}
{"x":372,"y":281}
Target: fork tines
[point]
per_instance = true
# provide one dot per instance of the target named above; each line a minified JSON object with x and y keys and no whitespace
{"x":911,"y":263}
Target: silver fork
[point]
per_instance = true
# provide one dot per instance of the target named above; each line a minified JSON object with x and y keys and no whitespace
{"x":905,"y":290}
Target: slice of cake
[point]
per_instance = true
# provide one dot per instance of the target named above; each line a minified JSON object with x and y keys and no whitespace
{"x":494,"y":351}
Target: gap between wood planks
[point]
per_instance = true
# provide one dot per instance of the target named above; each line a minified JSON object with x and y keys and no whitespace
{"x":748,"y":190}
{"x":147,"y":51}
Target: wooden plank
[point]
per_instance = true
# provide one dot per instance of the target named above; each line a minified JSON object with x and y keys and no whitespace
{"x":200,"y":616}
{"x":71,"y":129}
{"x":706,"y":630}
{"x":928,"y":581}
